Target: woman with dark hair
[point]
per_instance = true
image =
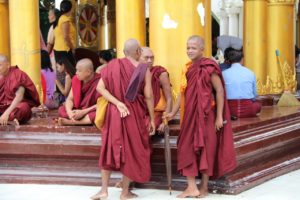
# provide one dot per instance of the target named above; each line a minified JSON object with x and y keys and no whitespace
{"x":65,"y":33}
{"x":104,"y":57}
{"x":63,"y":82}
{"x":48,"y":75}
{"x":53,"y":16}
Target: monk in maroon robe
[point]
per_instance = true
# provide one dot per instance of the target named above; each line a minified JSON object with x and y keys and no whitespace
{"x":126,"y":85}
{"x":205,"y":142}
{"x":161,"y":88}
{"x":80,"y":106}
{"x":17,"y":94}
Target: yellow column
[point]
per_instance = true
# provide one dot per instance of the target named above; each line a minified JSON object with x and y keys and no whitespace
{"x":130,"y":22}
{"x":280,"y":37}
{"x":298,"y":27}
{"x":4,"y":28}
{"x":25,"y":38}
{"x":207,"y":29}
{"x":170,"y":26}
{"x":255,"y":44}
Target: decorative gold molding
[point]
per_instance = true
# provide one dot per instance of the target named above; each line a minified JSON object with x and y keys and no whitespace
{"x":286,"y":83}
{"x":287,"y":2}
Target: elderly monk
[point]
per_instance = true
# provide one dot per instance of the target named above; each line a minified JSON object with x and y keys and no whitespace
{"x":126,"y":85}
{"x":161,"y":87}
{"x":205,"y":142}
{"x":17,"y":94}
{"x":80,"y":106}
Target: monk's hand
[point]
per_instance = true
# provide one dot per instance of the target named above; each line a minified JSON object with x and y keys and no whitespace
{"x":168,"y":116}
{"x":219,"y":123}
{"x":152,"y":128}
{"x":78,"y":114}
{"x":122,"y":109}
{"x":4,"y":119}
{"x":161,"y":128}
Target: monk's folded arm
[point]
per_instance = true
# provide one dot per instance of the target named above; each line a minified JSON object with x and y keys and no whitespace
{"x":148,"y":93}
{"x":18,"y":98}
{"x":105,"y":93}
{"x":166,"y":86}
{"x":89,"y":109}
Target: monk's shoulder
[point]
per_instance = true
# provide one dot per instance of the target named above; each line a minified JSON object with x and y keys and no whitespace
{"x":211,"y":66}
{"x":17,"y":73}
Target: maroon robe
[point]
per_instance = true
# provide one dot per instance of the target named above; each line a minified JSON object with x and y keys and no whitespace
{"x":156,"y":71}
{"x":244,"y":108}
{"x":200,"y":148}
{"x":85,"y":96}
{"x":125,"y":141}
{"x":9,"y":85}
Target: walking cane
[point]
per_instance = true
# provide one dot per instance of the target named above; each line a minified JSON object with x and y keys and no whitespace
{"x":168,"y":160}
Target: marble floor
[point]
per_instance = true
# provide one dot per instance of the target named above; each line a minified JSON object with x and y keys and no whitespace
{"x":285,"y":187}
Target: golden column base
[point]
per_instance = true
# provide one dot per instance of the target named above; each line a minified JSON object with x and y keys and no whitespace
{"x":170,"y":26}
{"x":280,"y":36}
{"x":25,"y":38}
{"x":130,"y":22}
{"x":4,"y":28}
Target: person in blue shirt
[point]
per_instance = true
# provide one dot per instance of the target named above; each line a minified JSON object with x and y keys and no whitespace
{"x":226,"y":64}
{"x":240,"y":83}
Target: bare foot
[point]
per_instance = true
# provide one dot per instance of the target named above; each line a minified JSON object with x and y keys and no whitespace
{"x":14,"y":122}
{"x":203,"y":191}
{"x":64,"y":121}
{"x":99,"y":195}
{"x":189,"y":193}
{"x":128,"y":195}
{"x":119,"y":184}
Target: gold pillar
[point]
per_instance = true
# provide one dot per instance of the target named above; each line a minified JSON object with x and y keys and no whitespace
{"x":207,"y":30}
{"x":298,"y":26}
{"x":4,"y":28}
{"x":107,"y":39}
{"x":25,"y":38}
{"x":170,"y":26}
{"x":130,"y":22}
{"x":255,"y":44}
{"x":280,"y":37}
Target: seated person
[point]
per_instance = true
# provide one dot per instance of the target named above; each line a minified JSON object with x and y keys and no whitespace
{"x":80,"y":106}
{"x":104,"y":57}
{"x":161,"y":87}
{"x":65,"y":72}
{"x":49,"y":77}
{"x":226,"y":64}
{"x":17,"y":94}
{"x":240,"y":84}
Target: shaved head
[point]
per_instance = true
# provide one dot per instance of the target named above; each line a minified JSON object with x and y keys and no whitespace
{"x":85,"y":70}
{"x":147,"y":56}
{"x":3,"y":58}
{"x":195,"y":47}
{"x":132,"y":49}
{"x":86,"y":64}
{"x":4,"y":65}
{"x":199,"y":40}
